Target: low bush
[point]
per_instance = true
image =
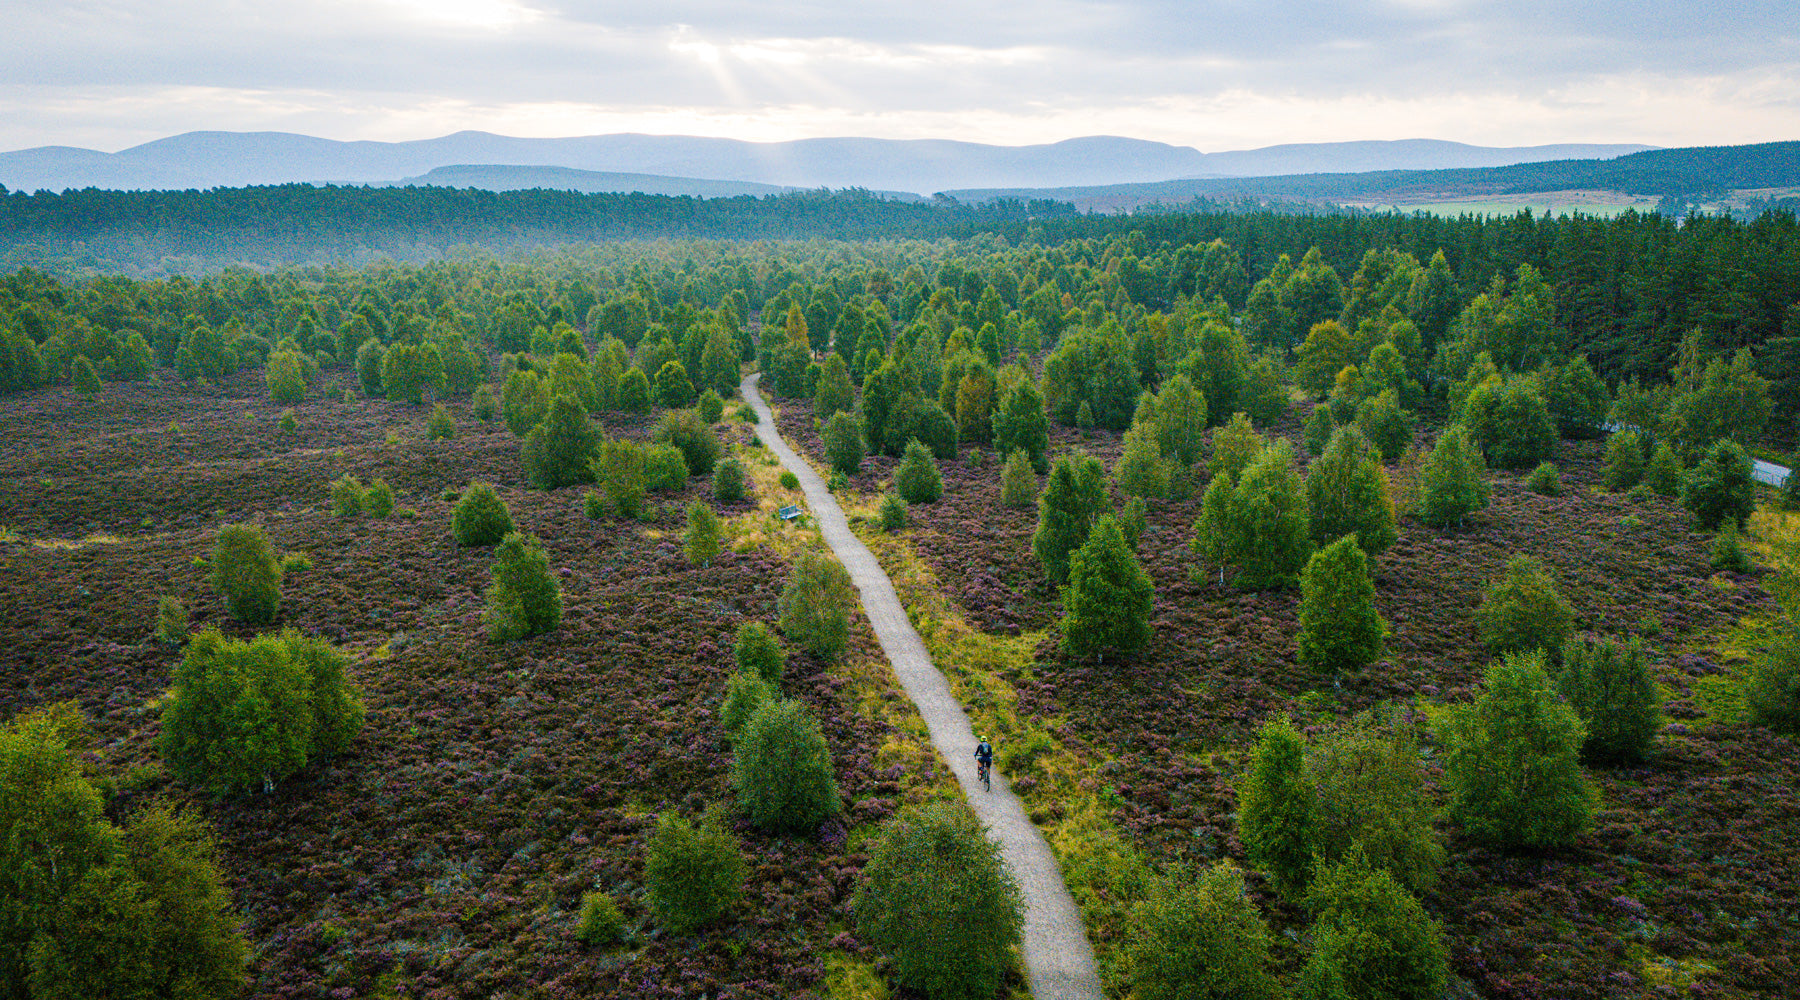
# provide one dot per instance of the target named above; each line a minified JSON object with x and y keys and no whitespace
{"x":693,"y":874}
{"x":480,"y":517}
{"x":524,"y":599}
{"x":710,"y":407}
{"x":782,"y":769}
{"x":346,"y":496}
{"x":789,"y":480}
{"x":730,"y":484}
{"x":1545,"y":480}
{"x":295,"y":562}
{"x":287,"y":423}
{"x":87,"y":381}
{"x":1728,"y":552}
{"x":601,"y":922}
{"x":1663,"y":474}
{"x":757,"y":651}
{"x":745,"y":693}
{"x":936,"y":897}
{"x":918,"y":479}
{"x":379,"y":500}
{"x":1134,"y":520}
{"x":1624,"y":466}
{"x":441,"y":427}
{"x":621,"y":470}
{"x":1018,"y":481}
{"x":1197,"y":935}
{"x":171,"y":620}
{"x":1371,"y":939}
{"x":1524,"y":610}
{"x":703,"y":542}
{"x":665,"y":469}
{"x":893,"y":512}
{"x":1608,"y":684}
{"x":246,"y":573}
{"x":483,"y":406}
{"x":1513,"y":760}
{"x":698,"y":443}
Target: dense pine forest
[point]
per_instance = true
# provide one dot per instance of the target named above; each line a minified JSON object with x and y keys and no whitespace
{"x":1626,"y":290}
{"x":1361,"y":606}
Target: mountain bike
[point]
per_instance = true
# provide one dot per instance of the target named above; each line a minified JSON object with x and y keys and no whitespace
{"x":982,"y":770}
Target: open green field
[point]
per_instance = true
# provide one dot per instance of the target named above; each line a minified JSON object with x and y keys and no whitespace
{"x":1604,"y":204}
{"x":1456,"y":208}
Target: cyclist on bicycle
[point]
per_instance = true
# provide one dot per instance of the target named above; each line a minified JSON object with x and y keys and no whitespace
{"x":984,"y":755}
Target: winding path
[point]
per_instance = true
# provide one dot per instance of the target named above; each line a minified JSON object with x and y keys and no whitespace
{"x":1058,"y":958}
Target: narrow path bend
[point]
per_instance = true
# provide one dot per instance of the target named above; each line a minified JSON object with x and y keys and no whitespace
{"x":1058,"y":958}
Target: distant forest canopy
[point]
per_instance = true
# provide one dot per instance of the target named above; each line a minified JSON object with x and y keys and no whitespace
{"x":1641,"y":296}
{"x":1678,"y":178}
{"x":151,"y":232}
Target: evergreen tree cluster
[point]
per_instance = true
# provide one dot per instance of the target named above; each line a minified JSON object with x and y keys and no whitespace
{"x":89,"y":907}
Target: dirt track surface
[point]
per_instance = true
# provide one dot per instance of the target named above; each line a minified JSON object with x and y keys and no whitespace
{"x":1058,"y":958}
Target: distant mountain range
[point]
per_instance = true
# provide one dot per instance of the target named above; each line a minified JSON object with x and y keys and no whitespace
{"x":710,"y":167}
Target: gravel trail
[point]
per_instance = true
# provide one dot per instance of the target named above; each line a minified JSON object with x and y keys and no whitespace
{"x":1058,"y":958}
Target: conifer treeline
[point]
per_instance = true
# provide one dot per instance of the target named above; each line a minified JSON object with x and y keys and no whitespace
{"x":1625,"y":292}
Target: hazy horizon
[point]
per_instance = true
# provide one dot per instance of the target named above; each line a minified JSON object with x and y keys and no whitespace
{"x":778,"y":140}
{"x":1227,"y":77}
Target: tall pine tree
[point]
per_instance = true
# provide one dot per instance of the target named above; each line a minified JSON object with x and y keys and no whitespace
{"x":1346,"y":494}
{"x":1022,"y":425}
{"x":1106,"y":605}
{"x":1455,"y":480}
{"x":1072,"y":499}
{"x":1259,"y":526}
{"x":1275,"y":808}
{"x":1339,"y":626}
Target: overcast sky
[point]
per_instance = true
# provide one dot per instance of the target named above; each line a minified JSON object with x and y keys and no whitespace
{"x":1228,"y":74}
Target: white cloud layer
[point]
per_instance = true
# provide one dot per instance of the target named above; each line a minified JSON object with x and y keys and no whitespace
{"x":1220,"y":75}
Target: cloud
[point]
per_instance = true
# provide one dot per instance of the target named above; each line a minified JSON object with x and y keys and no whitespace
{"x":1224,"y":74}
